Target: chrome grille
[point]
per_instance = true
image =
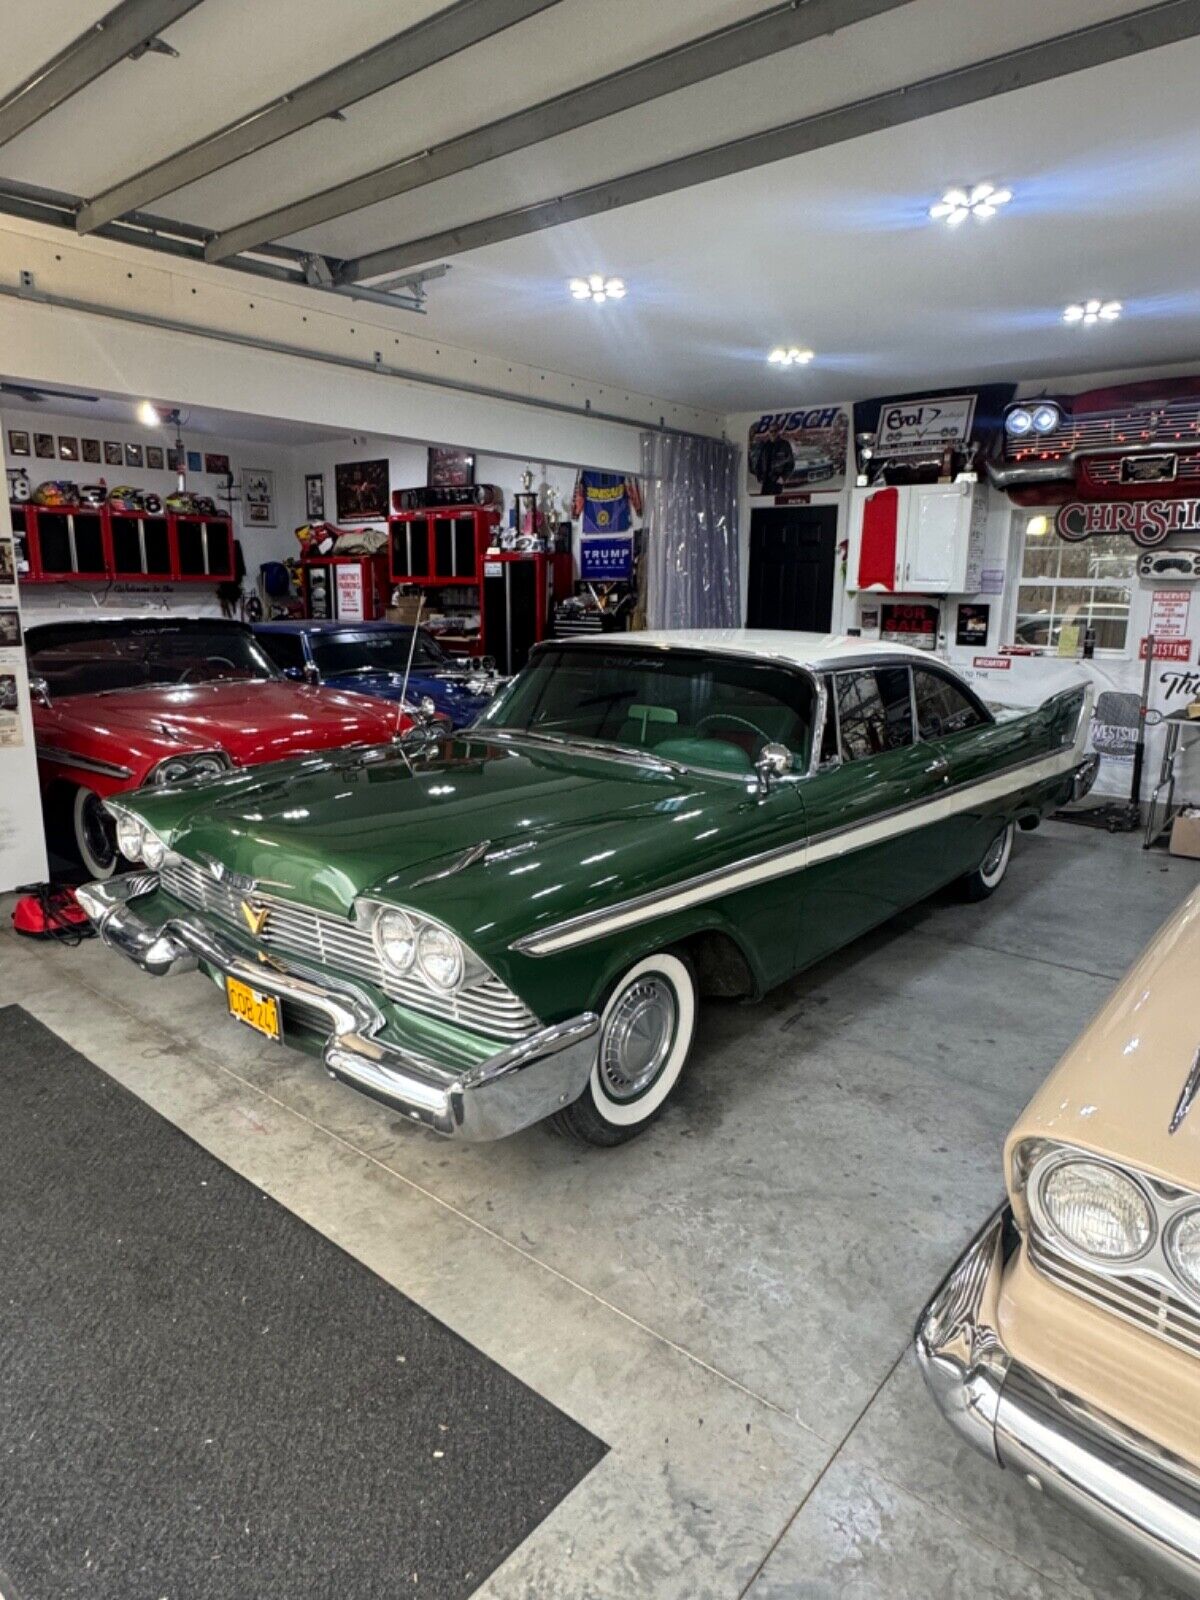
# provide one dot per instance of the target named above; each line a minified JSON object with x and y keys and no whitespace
{"x":1108,"y":470}
{"x":1144,"y":1304}
{"x":316,"y":938}
{"x":1178,"y":423}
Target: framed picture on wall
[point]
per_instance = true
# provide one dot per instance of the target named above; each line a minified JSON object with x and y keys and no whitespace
{"x":89,"y":450}
{"x":195,"y":461}
{"x":113,"y":453}
{"x":43,"y":444}
{"x":18,"y":442}
{"x":314,"y":496}
{"x":175,"y":459}
{"x":450,"y":469}
{"x":218,"y":465}
{"x":68,"y":447}
{"x":361,"y":490}
{"x":154,"y":457}
{"x":133,"y":455}
{"x":258,"y":496}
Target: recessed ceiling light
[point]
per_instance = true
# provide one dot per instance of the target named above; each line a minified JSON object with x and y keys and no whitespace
{"x":597,"y":288}
{"x":1092,"y":311}
{"x":791,"y":357}
{"x":956,"y":205}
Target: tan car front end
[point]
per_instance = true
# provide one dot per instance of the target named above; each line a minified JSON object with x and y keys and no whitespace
{"x":1066,"y":1342}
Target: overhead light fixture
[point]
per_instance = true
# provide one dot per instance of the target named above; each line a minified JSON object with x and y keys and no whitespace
{"x":1091,"y":311}
{"x":1037,"y":527}
{"x":149,"y":415}
{"x":790,"y":357}
{"x":597,"y":288}
{"x":956,"y":205}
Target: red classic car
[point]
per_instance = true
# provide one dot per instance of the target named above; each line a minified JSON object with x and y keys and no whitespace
{"x":123,"y":702}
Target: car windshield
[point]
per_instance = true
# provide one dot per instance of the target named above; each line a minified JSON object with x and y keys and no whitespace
{"x":91,"y":659}
{"x":382,"y":650}
{"x":703,"y":710}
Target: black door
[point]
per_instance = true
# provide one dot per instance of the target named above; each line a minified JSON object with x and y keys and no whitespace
{"x":792,"y":555}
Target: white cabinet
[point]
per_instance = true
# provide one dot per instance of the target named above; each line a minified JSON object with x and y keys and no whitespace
{"x":912,"y":539}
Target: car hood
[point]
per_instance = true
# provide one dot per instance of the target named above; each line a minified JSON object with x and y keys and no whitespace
{"x":1117,"y":1089}
{"x":254,"y":720}
{"x":388,"y":686}
{"x":411,"y":828}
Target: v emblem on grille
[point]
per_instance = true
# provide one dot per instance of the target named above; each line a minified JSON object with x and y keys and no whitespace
{"x":256,"y":916}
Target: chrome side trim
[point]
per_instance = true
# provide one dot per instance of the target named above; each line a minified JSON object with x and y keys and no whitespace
{"x":511,"y":1089}
{"x":785,"y":859}
{"x":1133,"y":1489}
{"x":68,"y":758}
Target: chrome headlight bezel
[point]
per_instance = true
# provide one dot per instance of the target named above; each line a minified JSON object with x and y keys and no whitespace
{"x":190,"y":766}
{"x":131,"y":835}
{"x":1189,"y":1217}
{"x":393,"y":917}
{"x":470,"y":968}
{"x":452,"y":957}
{"x":1116,"y":1178}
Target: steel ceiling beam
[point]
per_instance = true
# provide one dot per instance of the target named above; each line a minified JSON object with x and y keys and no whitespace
{"x":458,"y":27}
{"x":126,"y":28}
{"x":783,"y":27}
{"x":1167,"y":23}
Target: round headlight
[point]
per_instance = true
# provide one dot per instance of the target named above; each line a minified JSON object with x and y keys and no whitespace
{"x":395,"y":939}
{"x":154,"y":851}
{"x":1045,"y":419}
{"x":130,"y":837}
{"x":1183,"y":1249}
{"x":1018,"y":422}
{"x":207,"y":767}
{"x":440,"y":957}
{"x":1097,"y":1210}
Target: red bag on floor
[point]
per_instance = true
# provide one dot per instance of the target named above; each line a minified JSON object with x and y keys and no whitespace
{"x":47,"y":911}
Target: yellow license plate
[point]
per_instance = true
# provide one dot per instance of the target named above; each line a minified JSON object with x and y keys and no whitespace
{"x":257,"y":1011}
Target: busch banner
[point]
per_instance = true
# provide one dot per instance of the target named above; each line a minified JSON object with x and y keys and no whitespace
{"x":798,"y":450}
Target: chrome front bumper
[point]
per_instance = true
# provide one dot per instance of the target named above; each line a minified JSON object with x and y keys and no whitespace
{"x":1134,"y":1490}
{"x":510,"y":1090}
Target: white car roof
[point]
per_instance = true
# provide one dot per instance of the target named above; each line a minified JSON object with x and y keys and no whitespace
{"x":814,"y":650}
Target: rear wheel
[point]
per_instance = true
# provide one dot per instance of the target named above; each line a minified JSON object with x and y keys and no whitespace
{"x":645,"y":1035}
{"x":94,"y":835}
{"x":987,"y":876}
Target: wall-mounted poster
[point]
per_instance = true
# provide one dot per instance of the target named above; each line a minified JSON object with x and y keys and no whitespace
{"x":361,"y":490}
{"x":154,"y":457}
{"x":217,"y":465}
{"x":113,"y":453}
{"x":68,"y":447}
{"x":133,"y":455}
{"x":18,"y":442}
{"x":258,"y":497}
{"x":195,"y":461}
{"x":175,"y":459}
{"x":314,"y":496}
{"x":972,"y":625}
{"x":43,"y":445}
{"x":89,"y":450}
{"x":450,"y":469}
{"x":919,"y":427}
{"x":798,"y":450}
{"x":603,"y":560}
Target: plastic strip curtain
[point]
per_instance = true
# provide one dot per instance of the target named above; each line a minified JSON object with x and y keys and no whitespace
{"x":691,"y":532}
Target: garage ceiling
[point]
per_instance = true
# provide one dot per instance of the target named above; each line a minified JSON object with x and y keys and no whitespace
{"x":831,"y":248}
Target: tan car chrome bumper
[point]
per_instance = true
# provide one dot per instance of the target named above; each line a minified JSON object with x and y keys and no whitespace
{"x":516,"y":1087}
{"x":1132,"y":1488}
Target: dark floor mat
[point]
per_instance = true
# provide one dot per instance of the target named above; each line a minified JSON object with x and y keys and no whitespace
{"x":204,"y":1399}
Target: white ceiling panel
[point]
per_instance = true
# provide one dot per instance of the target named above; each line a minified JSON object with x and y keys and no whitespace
{"x":36,"y":32}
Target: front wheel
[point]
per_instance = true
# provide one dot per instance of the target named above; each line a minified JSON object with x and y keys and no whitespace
{"x":94,"y":835}
{"x":645,"y":1035}
{"x":987,"y":876}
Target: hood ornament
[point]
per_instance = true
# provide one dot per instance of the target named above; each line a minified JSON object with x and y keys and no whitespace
{"x":1191,"y":1088}
{"x":468,"y":858}
{"x":240,"y":882}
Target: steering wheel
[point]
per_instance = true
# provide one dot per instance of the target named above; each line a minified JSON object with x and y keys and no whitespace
{"x":740,"y":722}
{"x":209,"y":661}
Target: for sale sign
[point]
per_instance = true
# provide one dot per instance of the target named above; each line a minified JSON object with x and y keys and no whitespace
{"x":924,"y":427}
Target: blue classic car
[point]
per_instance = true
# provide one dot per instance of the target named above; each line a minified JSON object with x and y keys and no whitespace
{"x":372,"y":658}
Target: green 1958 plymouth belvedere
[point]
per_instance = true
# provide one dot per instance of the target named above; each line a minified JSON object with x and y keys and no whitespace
{"x":518,"y":921}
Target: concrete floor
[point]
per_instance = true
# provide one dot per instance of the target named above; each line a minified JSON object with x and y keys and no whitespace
{"x":728,"y":1301}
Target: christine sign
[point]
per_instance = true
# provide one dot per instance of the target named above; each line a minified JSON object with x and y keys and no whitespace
{"x":798,"y":450}
{"x":1147,"y":522}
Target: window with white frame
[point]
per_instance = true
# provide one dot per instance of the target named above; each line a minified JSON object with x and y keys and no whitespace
{"x":1065,"y":585}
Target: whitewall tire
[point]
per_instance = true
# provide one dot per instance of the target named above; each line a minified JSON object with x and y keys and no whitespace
{"x":989,"y":874}
{"x":644,"y":1039}
{"x":94,"y":835}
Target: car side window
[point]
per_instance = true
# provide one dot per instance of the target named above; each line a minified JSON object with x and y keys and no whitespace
{"x":942,"y":707}
{"x":285,"y":649}
{"x":874,"y":711}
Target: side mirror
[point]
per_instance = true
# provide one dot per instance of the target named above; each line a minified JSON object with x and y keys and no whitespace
{"x":40,"y":690}
{"x":774,"y":761}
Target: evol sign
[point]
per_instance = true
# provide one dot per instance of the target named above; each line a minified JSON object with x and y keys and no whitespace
{"x":1147,"y":522}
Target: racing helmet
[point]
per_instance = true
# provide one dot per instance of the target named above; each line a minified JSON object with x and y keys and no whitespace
{"x":124,"y":497}
{"x":56,"y":492}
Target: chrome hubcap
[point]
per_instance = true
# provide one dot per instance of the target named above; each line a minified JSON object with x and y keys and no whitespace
{"x":995,"y":855}
{"x":638,"y":1037}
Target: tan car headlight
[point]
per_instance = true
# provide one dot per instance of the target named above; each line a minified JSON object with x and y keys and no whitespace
{"x":1183,"y":1249}
{"x":1097,"y":1210}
